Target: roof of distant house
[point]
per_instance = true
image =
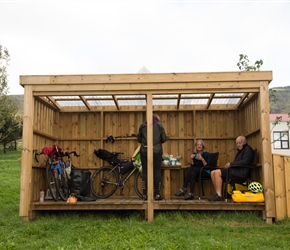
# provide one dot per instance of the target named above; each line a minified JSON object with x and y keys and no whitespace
{"x":285,"y":117}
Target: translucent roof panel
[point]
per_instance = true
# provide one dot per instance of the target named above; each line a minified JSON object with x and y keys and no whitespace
{"x":70,"y":103}
{"x":102,"y":103}
{"x":228,"y":94}
{"x":165,"y":96}
{"x":193,"y":101}
{"x":127,"y":100}
{"x":130,"y":96}
{"x":165,"y":102}
{"x":99,"y":97}
{"x":195,"y":95}
{"x":225,"y":101}
{"x":132,"y":102}
{"x":66,"y":97}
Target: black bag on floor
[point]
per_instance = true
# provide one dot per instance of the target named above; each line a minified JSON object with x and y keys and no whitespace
{"x":80,"y":181}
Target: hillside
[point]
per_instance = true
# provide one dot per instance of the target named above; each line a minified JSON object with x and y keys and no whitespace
{"x":282,"y":104}
{"x":20,"y":100}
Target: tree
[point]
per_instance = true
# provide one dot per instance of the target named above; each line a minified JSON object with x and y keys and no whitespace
{"x":11,"y":131}
{"x":8,"y":105}
{"x":243,"y":65}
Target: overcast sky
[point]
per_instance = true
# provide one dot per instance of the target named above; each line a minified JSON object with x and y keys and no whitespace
{"x":100,"y":37}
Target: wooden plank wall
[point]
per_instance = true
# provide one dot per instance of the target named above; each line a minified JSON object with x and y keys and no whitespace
{"x":251,"y":129}
{"x":86,"y":131}
{"x":281,"y":165}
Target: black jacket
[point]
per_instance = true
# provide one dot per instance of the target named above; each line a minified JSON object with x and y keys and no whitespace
{"x":244,"y":156}
{"x":159,"y":137}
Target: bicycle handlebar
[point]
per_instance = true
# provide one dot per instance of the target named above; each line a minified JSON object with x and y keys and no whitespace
{"x":35,"y":154}
{"x":72,"y":152}
{"x":61,"y":154}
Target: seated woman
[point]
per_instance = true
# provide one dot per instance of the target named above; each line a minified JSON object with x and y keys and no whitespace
{"x":199,"y":159}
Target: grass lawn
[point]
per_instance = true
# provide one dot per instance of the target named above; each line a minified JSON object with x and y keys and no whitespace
{"x":129,"y":230}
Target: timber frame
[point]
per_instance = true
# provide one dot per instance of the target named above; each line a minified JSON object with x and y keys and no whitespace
{"x":189,"y":107}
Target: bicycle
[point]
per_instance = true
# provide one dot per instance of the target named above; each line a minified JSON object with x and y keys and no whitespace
{"x":57,"y":171}
{"x":107,"y":179}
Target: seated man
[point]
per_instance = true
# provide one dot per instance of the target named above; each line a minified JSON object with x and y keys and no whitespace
{"x":243,"y":157}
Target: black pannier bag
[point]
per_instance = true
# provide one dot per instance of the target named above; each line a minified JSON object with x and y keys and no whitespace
{"x":80,"y":182}
{"x":126,"y":167}
{"x":106,"y":155}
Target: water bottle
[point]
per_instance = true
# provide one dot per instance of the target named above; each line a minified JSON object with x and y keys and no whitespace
{"x":41,"y":196}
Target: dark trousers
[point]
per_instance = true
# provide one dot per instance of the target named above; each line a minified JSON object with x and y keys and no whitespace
{"x":192,"y":174}
{"x":157,"y":162}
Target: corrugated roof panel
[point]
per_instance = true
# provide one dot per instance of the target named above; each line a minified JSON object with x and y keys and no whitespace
{"x":229,"y":94}
{"x":165,"y":96}
{"x":195,"y":95}
{"x":99,"y":97}
{"x":101,"y":103}
{"x":193,"y":101}
{"x":130,"y":96}
{"x":66,"y":97}
{"x":132,"y":102}
{"x":71,"y":103}
{"x":165,"y":102}
{"x":225,"y":100}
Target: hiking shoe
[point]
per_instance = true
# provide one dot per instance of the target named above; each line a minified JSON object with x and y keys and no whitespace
{"x":213,"y":197}
{"x":189,"y":196}
{"x":158,"y":197}
{"x":180,"y":192}
{"x":216,"y":198}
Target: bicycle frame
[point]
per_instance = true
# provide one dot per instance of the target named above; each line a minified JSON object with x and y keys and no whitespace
{"x":107,"y":179}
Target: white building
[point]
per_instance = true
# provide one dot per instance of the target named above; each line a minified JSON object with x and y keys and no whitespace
{"x":280,"y":134}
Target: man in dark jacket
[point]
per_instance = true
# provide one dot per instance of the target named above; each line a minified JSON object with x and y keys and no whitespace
{"x":159,"y":137}
{"x":243,"y":157}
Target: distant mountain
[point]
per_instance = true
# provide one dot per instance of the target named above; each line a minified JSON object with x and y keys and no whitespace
{"x":20,"y":100}
{"x":281,"y":106}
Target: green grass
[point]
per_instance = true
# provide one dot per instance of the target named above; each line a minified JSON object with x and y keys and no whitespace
{"x":128,"y":229}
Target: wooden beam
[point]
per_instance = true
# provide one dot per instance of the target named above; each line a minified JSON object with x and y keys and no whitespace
{"x":155,"y":78}
{"x":150,"y":176}
{"x":85,"y":102}
{"x":51,"y":105}
{"x":266,"y":154}
{"x":27,"y":153}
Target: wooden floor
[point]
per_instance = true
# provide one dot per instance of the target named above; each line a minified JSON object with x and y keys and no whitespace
{"x":139,"y":204}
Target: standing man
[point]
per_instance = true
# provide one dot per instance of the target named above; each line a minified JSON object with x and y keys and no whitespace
{"x":243,"y":157}
{"x":159,"y":137}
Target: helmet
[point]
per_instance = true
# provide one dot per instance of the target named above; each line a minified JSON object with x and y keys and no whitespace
{"x":255,"y":187}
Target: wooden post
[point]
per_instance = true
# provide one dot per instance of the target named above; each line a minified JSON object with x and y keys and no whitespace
{"x":150,"y":158}
{"x":287,"y":184}
{"x":280,"y":190}
{"x":27,"y":152}
{"x":266,"y":154}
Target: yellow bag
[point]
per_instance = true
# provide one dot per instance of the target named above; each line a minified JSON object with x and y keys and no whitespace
{"x":248,"y":196}
{"x":237,"y":186}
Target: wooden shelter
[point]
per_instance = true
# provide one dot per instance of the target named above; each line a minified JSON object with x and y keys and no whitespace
{"x":79,"y":112}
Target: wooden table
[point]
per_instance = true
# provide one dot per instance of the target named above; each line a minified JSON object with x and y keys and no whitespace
{"x":167,"y":179}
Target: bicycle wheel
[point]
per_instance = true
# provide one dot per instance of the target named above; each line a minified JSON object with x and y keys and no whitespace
{"x":104,"y":182}
{"x":62,"y":183}
{"x":51,"y":181}
{"x":138,"y":184}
